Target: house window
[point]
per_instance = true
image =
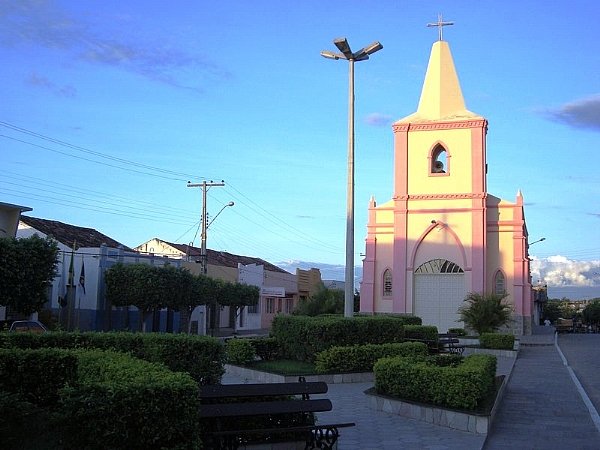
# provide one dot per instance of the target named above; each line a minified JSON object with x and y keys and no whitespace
{"x":270,"y":305}
{"x":254,"y":309}
{"x":499,"y":283}
{"x":439,"y":160}
{"x":387,"y":283}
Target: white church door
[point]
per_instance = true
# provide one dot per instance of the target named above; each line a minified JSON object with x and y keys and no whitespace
{"x":439,"y":290}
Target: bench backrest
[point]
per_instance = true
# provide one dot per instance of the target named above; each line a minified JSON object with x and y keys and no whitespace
{"x":262,"y":389}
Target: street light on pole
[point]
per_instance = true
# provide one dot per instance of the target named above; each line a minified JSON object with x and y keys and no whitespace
{"x":535,"y":242}
{"x":361,"y":55}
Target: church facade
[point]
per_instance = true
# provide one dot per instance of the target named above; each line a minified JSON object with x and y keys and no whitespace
{"x":442,"y":235}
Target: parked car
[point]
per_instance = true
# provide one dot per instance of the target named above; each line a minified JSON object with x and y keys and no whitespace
{"x":25,"y":326}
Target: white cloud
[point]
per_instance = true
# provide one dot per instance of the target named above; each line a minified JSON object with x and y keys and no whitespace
{"x":561,"y":271}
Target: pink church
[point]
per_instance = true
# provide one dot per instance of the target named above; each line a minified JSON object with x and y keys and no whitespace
{"x":442,"y":235}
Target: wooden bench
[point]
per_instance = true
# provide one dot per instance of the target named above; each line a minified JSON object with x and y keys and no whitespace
{"x":226,"y":407}
{"x":449,"y":343}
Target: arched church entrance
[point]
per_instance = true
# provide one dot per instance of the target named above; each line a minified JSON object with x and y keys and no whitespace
{"x":439,"y":290}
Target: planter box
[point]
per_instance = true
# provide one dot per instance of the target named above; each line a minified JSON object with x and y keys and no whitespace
{"x":457,"y":420}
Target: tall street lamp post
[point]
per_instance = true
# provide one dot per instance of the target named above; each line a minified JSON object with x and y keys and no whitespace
{"x":361,"y":55}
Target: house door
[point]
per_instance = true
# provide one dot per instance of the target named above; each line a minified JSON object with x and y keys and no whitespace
{"x":439,"y":290}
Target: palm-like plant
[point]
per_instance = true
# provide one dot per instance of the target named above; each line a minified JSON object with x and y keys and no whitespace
{"x":485,"y":313}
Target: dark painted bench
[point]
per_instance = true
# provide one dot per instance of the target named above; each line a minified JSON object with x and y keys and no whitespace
{"x":227,"y":406}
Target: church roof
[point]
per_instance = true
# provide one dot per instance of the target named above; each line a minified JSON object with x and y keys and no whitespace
{"x":441,"y":96}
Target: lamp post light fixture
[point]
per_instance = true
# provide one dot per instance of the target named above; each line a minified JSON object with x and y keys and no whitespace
{"x":535,"y":242}
{"x":351,"y":57}
{"x":205,"y":225}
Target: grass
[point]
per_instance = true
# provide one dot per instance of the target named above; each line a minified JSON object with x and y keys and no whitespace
{"x":285,"y":367}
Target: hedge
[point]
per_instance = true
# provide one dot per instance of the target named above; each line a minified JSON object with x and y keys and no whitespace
{"x":421,"y":332}
{"x":266,"y":348}
{"x":36,"y":375}
{"x":302,"y":337}
{"x":361,"y":358}
{"x":126,"y":403}
{"x":239,"y":351}
{"x":497,"y":341}
{"x":200,"y":356}
{"x":438,"y":380}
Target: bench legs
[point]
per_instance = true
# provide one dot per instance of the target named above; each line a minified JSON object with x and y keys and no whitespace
{"x":316,"y":437}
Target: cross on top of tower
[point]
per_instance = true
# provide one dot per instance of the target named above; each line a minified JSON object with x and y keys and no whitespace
{"x":440,"y":24}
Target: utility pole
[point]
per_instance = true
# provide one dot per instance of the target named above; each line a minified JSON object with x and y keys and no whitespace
{"x":203,"y":255}
{"x":212,"y":310}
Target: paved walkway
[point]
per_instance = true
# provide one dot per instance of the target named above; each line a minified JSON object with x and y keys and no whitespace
{"x":541,"y":409}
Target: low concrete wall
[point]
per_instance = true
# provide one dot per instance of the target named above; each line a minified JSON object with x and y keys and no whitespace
{"x":457,"y":420}
{"x":266,"y":377}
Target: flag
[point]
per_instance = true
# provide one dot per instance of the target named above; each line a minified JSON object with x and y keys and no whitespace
{"x":82,"y":276}
{"x":70,"y":280}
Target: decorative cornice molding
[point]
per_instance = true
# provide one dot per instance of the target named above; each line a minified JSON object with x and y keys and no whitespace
{"x":428,"y":126}
{"x":458,"y":196}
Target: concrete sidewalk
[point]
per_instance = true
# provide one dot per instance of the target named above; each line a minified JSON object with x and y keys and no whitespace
{"x":542,"y":407}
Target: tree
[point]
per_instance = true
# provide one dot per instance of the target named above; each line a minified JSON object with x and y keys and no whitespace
{"x":325,"y":301}
{"x":148,"y":287}
{"x":552,"y":310}
{"x":27,"y":267}
{"x":591,"y":313}
{"x":485,"y":313}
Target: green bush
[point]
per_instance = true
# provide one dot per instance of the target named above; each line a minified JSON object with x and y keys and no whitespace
{"x":457,"y":331}
{"x":36,"y":375}
{"x":239,"y":351}
{"x":421,"y":332}
{"x":438,"y":381}
{"x":497,"y":341}
{"x":485,"y":313}
{"x":126,"y":403}
{"x":301,"y":337}
{"x":266,"y":348}
{"x":200,"y":356}
{"x":360,"y":358}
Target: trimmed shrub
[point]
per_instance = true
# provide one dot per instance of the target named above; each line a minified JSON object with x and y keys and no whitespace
{"x":302,"y":337}
{"x":497,"y":341}
{"x":360,"y":358}
{"x":36,"y":375}
{"x":266,"y":348}
{"x":440,"y":381}
{"x":457,"y":331}
{"x":421,"y":332}
{"x":200,"y":356}
{"x":239,"y":351}
{"x":124,"y":403}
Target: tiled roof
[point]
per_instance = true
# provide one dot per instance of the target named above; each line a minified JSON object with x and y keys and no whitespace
{"x":67,"y":234}
{"x":217,"y":258}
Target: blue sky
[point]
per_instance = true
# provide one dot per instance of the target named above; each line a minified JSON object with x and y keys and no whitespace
{"x":108,"y":108}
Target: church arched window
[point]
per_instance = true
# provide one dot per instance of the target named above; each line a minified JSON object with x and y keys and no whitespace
{"x":439,"y":160}
{"x":439,"y":266}
{"x":387,"y":283}
{"x":499,"y":283}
